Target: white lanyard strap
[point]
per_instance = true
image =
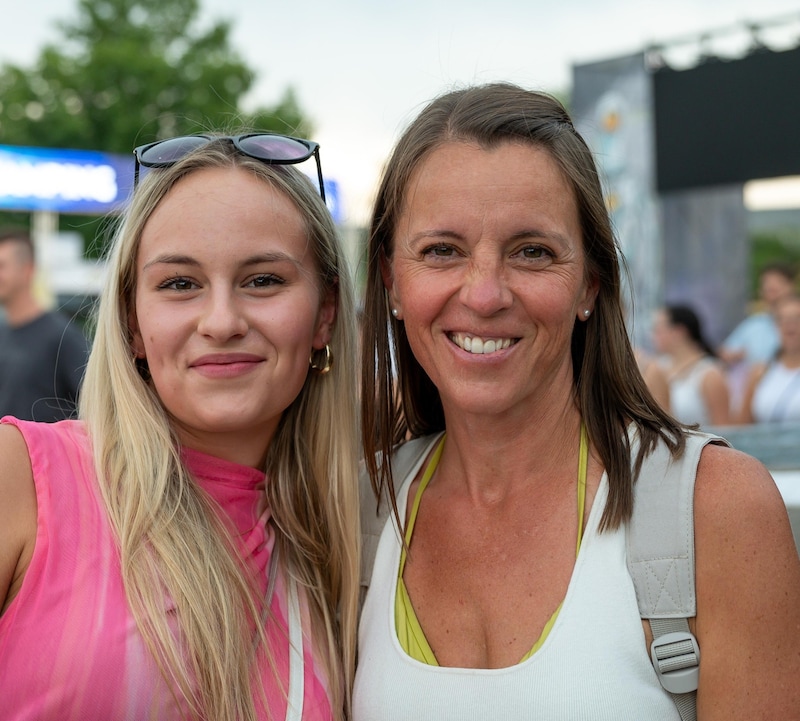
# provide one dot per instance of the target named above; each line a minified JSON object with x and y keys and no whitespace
{"x":294,"y":707}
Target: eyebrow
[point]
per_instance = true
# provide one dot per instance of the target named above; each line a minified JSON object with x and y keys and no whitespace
{"x":520,"y":235}
{"x":544,"y":234}
{"x":177,"y":259}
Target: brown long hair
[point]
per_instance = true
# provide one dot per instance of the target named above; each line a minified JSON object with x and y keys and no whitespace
{"x":609,"y":389}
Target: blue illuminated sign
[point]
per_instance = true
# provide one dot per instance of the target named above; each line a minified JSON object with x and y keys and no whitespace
{"x":81,"y":181}
{"x":333,"y":199}
{"x":63,"y":181}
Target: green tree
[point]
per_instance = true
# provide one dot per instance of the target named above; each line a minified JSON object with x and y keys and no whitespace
{"x":130,"y":71}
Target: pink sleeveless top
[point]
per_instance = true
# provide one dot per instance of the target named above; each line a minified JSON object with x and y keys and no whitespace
{"x":69,"y":647}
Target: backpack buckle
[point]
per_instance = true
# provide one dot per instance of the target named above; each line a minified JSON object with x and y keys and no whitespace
{"x":676,"y":660}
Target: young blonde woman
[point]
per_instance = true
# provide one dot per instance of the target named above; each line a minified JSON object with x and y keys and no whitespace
{"x":186,"y":550}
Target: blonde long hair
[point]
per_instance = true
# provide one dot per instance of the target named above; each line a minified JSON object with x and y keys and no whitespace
{"x":171,"y":542}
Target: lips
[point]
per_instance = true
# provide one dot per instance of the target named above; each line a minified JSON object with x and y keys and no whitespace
{"x":225,"y":359}
{"x":478,"y":345}
{"x":226,"y":365}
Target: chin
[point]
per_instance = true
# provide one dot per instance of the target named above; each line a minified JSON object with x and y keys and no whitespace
{"x":488,"y":405}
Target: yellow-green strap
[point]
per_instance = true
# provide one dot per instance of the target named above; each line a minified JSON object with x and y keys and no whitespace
{"x":409,"y":631}
{"x":583,"y":465}
{"x":423,"y":484}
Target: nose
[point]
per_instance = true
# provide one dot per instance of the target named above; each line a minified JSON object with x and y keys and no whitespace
{"x":485,"y":289}
{"x":222,"y":317}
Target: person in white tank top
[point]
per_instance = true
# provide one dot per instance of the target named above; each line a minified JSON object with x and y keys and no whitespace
{"x":772,"y":393}
{"x":494,"y":327}
{"x":698,"y":389}
{"x":596,"y":643}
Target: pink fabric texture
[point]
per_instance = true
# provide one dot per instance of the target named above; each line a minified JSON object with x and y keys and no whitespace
{"x":69,"y":647}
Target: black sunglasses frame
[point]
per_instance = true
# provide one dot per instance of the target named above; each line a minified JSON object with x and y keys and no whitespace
{"x":236,"y":140}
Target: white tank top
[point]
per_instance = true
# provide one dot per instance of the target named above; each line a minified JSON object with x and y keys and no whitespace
{"x":777,"y":395}
{"x":686,"y":395}
{"x":593,"y":665}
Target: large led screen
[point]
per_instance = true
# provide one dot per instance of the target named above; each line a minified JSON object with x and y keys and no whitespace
{"x":728,"y":121}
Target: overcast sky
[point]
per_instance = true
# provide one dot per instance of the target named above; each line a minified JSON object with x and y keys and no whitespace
{"x":363,"y":68}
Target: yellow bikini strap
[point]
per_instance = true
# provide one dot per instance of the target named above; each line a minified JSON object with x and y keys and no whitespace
{"x":426,"y":477}
{"x":583,"y":463}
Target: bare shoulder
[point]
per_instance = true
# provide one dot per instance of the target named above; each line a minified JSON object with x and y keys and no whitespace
{"x":738,"y":507}
{"x":748,"y":591}
{"x":18,"y":511}
{"x":756,"y":372}
{"x":733,"y":486}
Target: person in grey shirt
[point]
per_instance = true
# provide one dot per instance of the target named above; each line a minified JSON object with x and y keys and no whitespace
{"x":42,"y":353}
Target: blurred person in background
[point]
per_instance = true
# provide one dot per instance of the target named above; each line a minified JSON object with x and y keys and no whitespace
{"x":42,"y":353}
{"x":654,"y":377}
{"x":698,"y":389}
{"x":772,"y":392}
{"x":755,"y":339}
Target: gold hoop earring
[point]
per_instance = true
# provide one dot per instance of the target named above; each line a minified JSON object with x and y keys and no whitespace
{"x":326,"y":366}
{"x":142,"y":368}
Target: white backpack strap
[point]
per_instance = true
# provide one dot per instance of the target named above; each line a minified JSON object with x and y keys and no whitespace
{"x":676,"y":660}
{"x":660,"y":552}
{"x":406,"y":460}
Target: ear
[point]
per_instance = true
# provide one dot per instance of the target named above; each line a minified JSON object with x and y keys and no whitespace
{"x":388,"y":282}
{"x":326,"y":317}
{"x":589,"y":298}
{"x":28,"y":270}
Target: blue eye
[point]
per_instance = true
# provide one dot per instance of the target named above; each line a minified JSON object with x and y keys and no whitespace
{"x":178,"y":284}
{"x":265,"y":281}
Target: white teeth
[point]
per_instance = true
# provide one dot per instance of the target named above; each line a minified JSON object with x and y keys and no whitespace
{"x":480,"y":346}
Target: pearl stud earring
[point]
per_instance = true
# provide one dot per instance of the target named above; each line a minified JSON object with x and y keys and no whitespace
{"x":586,"y":313}
{"x":395,"y":312}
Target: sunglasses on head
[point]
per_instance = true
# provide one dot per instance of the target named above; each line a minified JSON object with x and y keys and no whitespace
{"x":269,"y":148}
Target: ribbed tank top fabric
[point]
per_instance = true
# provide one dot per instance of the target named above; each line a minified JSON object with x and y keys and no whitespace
{"x":69,"y":646}
{"x":593,"y":664}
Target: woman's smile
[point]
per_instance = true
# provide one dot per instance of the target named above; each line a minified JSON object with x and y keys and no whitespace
{"x":481,"y":346}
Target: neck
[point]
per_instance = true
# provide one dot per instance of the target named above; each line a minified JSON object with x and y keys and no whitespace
{"x":492,"y":456}
{"x":683,"y":358}
{"x":242,"y":447}
{"x":791,"y":359}
{"x":22,"y":309}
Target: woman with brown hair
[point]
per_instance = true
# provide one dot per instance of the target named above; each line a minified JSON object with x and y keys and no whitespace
{"x":500,"y":589}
